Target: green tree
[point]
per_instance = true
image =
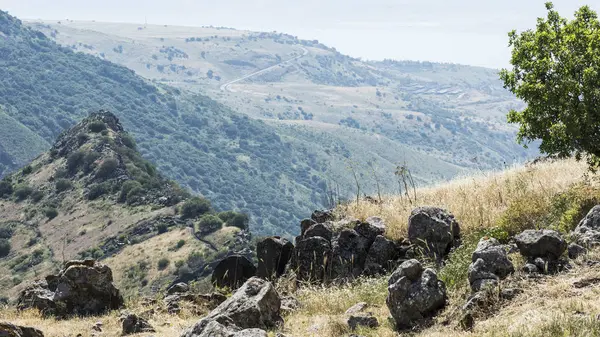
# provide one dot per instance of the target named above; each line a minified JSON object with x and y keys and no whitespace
{"x":195,"y":207}
{"x":556,"y":71}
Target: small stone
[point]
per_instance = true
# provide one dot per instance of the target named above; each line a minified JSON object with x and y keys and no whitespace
{"x":357,"y":308}
{"x":368,"y":321}
{"x":576,"y":251}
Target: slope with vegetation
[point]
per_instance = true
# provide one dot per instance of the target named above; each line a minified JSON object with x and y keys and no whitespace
{"x":93,"y":196}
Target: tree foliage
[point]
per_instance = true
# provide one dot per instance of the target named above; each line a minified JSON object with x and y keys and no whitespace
{"x":556,"y":71}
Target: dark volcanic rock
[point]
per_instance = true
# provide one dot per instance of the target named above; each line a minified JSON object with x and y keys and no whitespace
{"x":253,"y":306}
{"x":82,"y":288}
{"x":576,"y":251}
{"x":433,"y":229}
{"x":273,"y":254}
{"x":369,"y":321}
{"x":323,"y":230}
{"x":414,"y":294}
{"x":541,"y":243}
{"x":11,"y":330}
{"x":233,"y":271}
{"x":313,"y":259}
{"x":321,"y":216}
{"x":132,"y":323}
{"x":349,"y":254}
{"x":382,"y":256}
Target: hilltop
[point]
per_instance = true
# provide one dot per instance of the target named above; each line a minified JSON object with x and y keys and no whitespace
{"x":93,"y":196}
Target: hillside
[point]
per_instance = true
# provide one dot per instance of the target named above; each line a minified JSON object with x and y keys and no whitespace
{"x":452,"y":112}
{"x":552,"y":195}
{"x":93,"y":196}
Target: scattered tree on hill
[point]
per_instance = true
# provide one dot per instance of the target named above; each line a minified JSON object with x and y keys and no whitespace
{"x":195,"y":207}
{"x":4,"y":247}
{"x":555,"y":71}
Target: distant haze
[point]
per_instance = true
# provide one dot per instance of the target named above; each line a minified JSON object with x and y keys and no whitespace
{"x":470,"y":32}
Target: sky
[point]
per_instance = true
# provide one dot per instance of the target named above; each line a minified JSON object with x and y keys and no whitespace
{"x":472,"y":32}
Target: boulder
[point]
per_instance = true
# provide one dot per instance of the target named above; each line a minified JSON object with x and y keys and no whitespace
{"x":587,"y":232}
{"x":321,"y":216}
{"x":81,"y":288}
{"x":382,"y":256}
{"x":132,"y":323}
{"x":306,"y":224}
{"x":323,"y":230}
{"x":576,"y":251}
{"x":253,"y":306}
{"x":232,"y":272}
{"x":357,"y":308}
{"x":490,"y":264}
{"x":372,"y":229}
{"x":433,"y":229}
{"x":11,"y":330}
{"x":349,"y":254}
{"x":313,"y":259}
{"x":178,"y":288}
{"x":369,"y":321}
{"x":414,"y":294}
{"x":273,"y":254}
{"x":541,"y":243}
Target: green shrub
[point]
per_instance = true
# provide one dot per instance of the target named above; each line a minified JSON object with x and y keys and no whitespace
{"x":208,"y":224}
{"x":239,"y":220}
{"x":135,"y":195}
{"x":162,"y":228}
{"x":50,"y":212}
{"x":128,"y":141}
{"x":180,"y":243}
{"x":27,"y":170}
{"x":104,"y":133}
{"x":6,"y":188}
{"x":107,"y":168}
{"x":37,"y":195}
{"x":89,"y":161}
{"x":6,"y":231}
{"x":97,"y":126}
{"x":22,"y":192}
{"x":97,"y":190}
{"x":163,"y":263}
{"x":60,"y":173}
{"x":82,"y":138}
{"x":63,"y":185}
{"x":195,"y":207}
{"x":127,"y":187}
{"x":75,"y":160}
{"x":4,"y":247}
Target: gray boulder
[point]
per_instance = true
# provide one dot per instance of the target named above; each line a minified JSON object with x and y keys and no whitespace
{"x":132,"y":323}
{"x":576,"y":251}
{"x":369,"y":321}
{"x":81,"y":288}
{"x":321,"y":216}
{"x":11,"y":330}
{"x":587,"y":232}
{"x":382,"y":256}
{"x":433,"y":229}
{"x":273,"y":254}
{"x":232,"y":272}
{"x":541,"y":243}
{"x":253,"y":306}
{"x":323,"y":230}
{"x":312,"y":259}
{"x":178,"y":288}
{"x":490,"y":264}
{"x":414,"y":294}
{"x":349,"y":254}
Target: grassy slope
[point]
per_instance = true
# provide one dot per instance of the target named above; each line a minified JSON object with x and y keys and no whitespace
{"x":549,"y":307}
{"x":13,"y":136}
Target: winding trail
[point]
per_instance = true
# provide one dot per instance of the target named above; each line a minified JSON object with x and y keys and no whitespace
{"x":225,"y":87}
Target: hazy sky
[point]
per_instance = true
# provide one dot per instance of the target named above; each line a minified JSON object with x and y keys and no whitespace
{"x":459,"y":31}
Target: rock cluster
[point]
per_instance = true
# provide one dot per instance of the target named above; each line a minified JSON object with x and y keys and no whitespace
{"x":11,"y":330}
{"x":251,"y":310}
{"x":490,"y":264}
{"x":433,"y":229}
{"x":133,"y":323}
{"x":543,"y":250}
{"x":273,"y":254}
{"x":81,"y":288}
{"x":414,"y":294}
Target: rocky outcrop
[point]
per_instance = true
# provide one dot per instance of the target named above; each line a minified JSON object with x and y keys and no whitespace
{"x":273,"y":254}
{"x":490,"y":264}
{"x":81,"y":288}
{"x":11,"y":330}
{"x":434,"y":230}
{"x":414,"y":294}
{"x":232,"y":272}
{"x":542,"y":249}
{"x":252,"y":309}
{"x":587,"y":232}
{"x":132,"y":323}
{"x":321,"y":216}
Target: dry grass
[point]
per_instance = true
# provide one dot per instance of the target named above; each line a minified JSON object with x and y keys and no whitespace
{"x":477,"y":201}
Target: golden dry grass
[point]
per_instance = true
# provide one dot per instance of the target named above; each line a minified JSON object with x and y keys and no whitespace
{"x":477,"y":201}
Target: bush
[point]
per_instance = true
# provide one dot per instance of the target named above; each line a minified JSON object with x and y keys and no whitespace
{"x":97,"y":190}
{"x":50,"y":212}
{"x":37,"y":195}
{"x":162,"y":228}
{"x":60,"y":173}
{"x":107,"y":168}
{"x":208,"y":224}
{"x":27,"y":170}
{"x":127,"y":187}
{"x":97,"y":126}
{"x":75,"y":160}
{"x":135,"y":195}
{"x":82,"y":138}
{"x":128,"y":141}
{"x":239,"y":220}
{"x":22,"y":192}
{"x":63,"y":185}
{"x":6,"y":232}
{"x":6,"y":188}
{"x":163,"y":263}
{"x":195,"y":207}
{"x":4,"y":247}
{"x":180,"y":243}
